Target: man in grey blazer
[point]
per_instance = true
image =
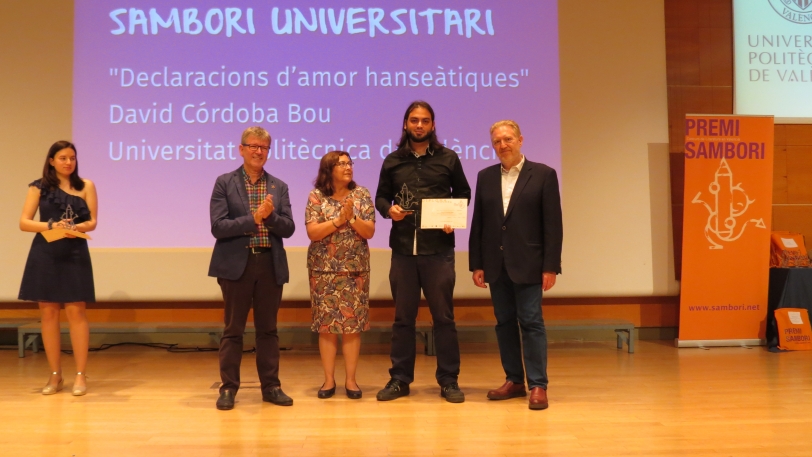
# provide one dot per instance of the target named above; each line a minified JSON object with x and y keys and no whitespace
{"x":515,"y":246}
{"x":250,"y":215}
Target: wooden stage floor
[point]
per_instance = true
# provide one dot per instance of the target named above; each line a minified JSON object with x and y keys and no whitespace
{"x":660,"y":401}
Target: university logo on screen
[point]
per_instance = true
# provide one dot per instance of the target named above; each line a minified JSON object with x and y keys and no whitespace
{"x":798,"y":11}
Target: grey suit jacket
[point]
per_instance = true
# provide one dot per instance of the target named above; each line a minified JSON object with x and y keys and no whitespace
{"x":233,"y":225}
{"x":527,"y":239}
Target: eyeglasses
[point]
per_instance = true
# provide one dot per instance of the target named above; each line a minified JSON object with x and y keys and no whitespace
{"x":256,"y":147}
{"x":348,"y":164}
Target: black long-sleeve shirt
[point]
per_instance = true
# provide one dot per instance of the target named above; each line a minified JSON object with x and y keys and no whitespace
{"x":436,"y":174}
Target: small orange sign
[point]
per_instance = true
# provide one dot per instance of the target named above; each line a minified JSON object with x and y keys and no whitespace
{"x":794,"y":332}
{"x":726,"y":227}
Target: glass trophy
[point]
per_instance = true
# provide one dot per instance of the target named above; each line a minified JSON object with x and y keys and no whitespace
{"x":69,"y":218}
{"x":406,"y":199}
{"x":67,"y":224}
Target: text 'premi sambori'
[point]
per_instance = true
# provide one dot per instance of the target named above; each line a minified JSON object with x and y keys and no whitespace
{"x":718,"y":138}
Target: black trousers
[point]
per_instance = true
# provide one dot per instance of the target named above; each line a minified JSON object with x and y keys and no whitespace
{"x":435,"y":275}
{"x":255,"y":289}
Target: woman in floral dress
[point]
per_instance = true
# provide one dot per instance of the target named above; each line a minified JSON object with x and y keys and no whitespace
{"x":340,"y":218}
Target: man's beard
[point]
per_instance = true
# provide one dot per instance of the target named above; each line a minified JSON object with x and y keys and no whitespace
{"x":416,"y":139}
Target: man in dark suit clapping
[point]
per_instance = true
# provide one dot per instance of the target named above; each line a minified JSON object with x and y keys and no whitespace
{"x":515,"y":246}
{"x":250,"y":215}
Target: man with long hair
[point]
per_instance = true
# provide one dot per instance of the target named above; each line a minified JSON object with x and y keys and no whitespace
{"x":421,"y":259}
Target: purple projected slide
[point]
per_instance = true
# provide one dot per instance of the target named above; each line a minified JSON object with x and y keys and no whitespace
{"x":163,"y":91}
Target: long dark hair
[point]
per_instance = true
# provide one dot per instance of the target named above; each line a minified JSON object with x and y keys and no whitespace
{"x":434,"y":143}
{"x":49,"y":178}
{"x":324,"y":180}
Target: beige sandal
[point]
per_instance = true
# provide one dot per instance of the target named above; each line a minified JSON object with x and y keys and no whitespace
{"x":79,"y":391}
{"x":51,"y":389}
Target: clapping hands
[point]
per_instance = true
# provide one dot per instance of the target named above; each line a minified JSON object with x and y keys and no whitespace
{"x":265,"y":209}
{"x":347,"y":209}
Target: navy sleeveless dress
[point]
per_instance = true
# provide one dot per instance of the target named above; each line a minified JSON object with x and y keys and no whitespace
{"x":60,"y":271}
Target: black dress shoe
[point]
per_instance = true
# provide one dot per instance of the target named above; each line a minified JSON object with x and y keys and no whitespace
{"x":226,"y":400}
{"x":277,"y":397}
{"x":452,"y":393}
{"x":326,"y":393}
{"x":353,"y":394}
{"x":395,"y":388}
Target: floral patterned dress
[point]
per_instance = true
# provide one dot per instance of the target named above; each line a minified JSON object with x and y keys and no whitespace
{"x":339,"y":266}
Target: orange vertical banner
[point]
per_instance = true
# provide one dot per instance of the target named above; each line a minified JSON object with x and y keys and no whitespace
{"x":726,"y":230}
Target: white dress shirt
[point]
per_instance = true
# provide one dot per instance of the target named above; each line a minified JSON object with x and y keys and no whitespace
{"x":509,"y":178}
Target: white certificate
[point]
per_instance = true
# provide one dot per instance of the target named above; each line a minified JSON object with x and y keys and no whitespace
{"x":438,"y":212}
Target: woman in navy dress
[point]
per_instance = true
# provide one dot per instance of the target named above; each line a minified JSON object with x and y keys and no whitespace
{"x":60,"y":272}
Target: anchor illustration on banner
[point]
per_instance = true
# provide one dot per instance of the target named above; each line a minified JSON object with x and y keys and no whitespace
{"x":730,"y":202}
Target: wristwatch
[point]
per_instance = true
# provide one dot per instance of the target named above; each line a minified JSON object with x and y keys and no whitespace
{"x":354,"y":218}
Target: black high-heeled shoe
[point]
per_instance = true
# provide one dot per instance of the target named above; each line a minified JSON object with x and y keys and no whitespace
{"x":353,"y":394}
{"x":326,"y":393}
